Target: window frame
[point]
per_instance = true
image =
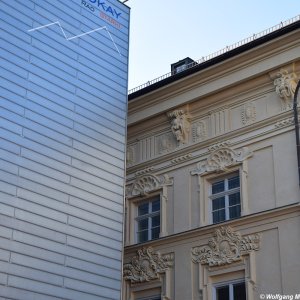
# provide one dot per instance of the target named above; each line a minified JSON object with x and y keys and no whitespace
{"x":157,"y":297}
{"x":226,"y":194}
{"x":230,"y":284}
{"x":152,"y":198}
{"x":131,"y":203}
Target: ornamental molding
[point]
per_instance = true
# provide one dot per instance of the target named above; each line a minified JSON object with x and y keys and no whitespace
{"x":180,"y":125}
{"x":130,"y":156}
{"x":248,"y":114}
{"x":221,"y":157}
{"x":219,"y":146}
{"x":144,"y":171}
{"x":146,"y":184}
{"x":226,"y":247}
{"x":285,"y":86}
{"x":182,"y":158}
{"x":147,"y":265}
{"x":199,"y":131}
{"x":166,"y":143}
{"x":285,"y":122}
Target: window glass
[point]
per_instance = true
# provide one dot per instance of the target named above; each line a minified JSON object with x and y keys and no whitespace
{"x":219,"y":216}
{"x":143,"y":236}
{"x":234,"y":199}
{"x":231,"y":291}
{"x":218,"y":203}
{"x":222,"y":293}
{"x":156,"y":221}
{"x":234,"y":211}
{"x":156,"y":205}
{"x":218,"y":187}
{"x":143,"y":209}
{"x":143,"y":224}
{"x":155,"y":233}
{"x":233,"y":182}
{"x":239,"y":291}
{"x":181,"y":68}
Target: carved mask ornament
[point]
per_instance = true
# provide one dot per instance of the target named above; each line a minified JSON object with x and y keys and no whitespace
{"x":225,"y":247}
{"x":285,"y":86}
{"x":180,"y":125}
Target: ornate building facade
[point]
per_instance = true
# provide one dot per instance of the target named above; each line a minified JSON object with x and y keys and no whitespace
{"x":212,"y":196}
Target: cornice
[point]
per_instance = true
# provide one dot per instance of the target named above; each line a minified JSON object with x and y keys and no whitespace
{"x":207,"y":106}
{"x":244,"y":223}
{"x":254,"y":62}
{"x":272,"y":126}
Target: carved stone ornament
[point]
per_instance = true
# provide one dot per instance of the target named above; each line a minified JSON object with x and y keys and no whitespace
{"x":248,"y":114}
{"x":180,"y":125}
{"x":147,"y":184}
{"x":147,"y":265}
{"x":218,"y":146}
{"x":285,"y":86}
{"x":199,"y":131}
{"x":130,"y":156}
{"x":226,"y":247}
{"x":284,"y":123}
{"x":220,"y":158}
{"x":182,"y":158}
{"x":166,"y":143}
{"x":144,"y":171}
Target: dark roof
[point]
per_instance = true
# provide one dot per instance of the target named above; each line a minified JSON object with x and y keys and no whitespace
{"x":257,"y":42}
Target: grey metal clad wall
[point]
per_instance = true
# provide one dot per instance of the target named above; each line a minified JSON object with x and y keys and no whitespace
{"x":63,"y":107}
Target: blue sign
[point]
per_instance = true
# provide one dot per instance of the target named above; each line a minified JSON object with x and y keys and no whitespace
{"x":106,"y":8}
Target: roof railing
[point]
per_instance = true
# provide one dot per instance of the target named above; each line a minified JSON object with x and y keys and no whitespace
{"x":220,"y":52}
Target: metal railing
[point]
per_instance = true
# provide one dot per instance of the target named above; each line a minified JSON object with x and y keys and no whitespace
{"x":220,"y":52}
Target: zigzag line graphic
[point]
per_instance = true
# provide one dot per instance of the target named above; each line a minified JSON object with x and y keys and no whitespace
{"x":79,"y":35}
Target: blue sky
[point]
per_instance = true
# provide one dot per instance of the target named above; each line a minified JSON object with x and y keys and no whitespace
{"x":165,"y":31}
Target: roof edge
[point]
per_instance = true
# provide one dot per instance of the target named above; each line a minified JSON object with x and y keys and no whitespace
{"x":220,"y":58}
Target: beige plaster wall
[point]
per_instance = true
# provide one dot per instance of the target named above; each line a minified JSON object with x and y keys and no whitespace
{"x":233,"y":106}
{"x":273,"y":268}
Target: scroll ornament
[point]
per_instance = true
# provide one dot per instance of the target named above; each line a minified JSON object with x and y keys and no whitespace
{"x":147,"y":265}
{"x":221,"y":157}
{"x":225,"y":247}
{"x":147,"y":184}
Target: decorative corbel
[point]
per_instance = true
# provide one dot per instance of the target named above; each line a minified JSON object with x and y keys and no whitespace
{"x":180,"y":125}
{"x":285,"y":86}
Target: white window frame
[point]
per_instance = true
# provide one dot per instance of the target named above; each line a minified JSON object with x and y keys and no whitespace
{"x":204,"y":188}
{"x":148,"y":216}
{"x":230,"y":284}
{"x":151,"y":298}
{"x":131,"y":214}
{"x":225,"y":193}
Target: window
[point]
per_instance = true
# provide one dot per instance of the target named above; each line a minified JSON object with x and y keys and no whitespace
{"x":147,"y":291}
{"x":151,"y":298}
{"x":230,"y":291}
{"x":148,"y":220}
{"x":181,"y":68}
{"x":225,"y":198}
